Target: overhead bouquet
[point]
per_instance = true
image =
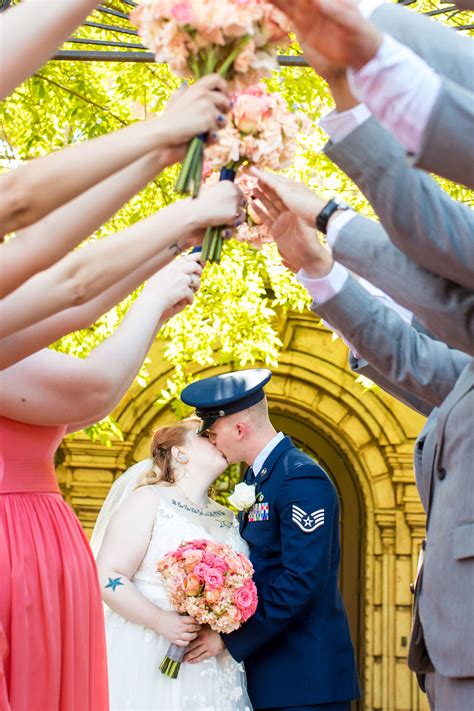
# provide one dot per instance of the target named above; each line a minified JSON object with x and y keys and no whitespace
{"x":235,"y":38}
{"x":260,"y":131}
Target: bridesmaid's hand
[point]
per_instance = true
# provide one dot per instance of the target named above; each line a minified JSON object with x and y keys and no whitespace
{"x":195,"y":110}
{"x":178,"y":629}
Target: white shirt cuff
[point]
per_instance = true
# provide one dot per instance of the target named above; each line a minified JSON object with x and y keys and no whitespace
{"x":338,"y":125}
{"x":322,"y":290}
{"x":336,"y":224}
{"x":400,"y":89}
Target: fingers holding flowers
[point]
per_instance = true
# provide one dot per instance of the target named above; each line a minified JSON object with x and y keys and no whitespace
{"x":196,"y":110}
{"x":178,"y":629}
{"x":177,"y":283}
{"x":218,"y":204}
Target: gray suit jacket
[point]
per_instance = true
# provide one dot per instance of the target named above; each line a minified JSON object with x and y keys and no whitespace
{"x":444,"y":308}
{"x":361,"y":366}
{"x":444,"y":467}
{"x":443,"y":377}
{"x":409,"y":362}
{"x":448,"y":145}
{"x":447,"y":51}
{"x":420,"y":218}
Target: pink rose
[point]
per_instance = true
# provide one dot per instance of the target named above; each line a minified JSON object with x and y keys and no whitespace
{"x":182,"y":13}
{"x":215,"y":561}
{"x":213,"y":578}
{"x":246,"y":599}
{"x":200,"y":570}
{"x":191,"y":585}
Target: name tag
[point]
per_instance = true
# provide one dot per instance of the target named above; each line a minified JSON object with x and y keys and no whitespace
{"x":259,"y":512}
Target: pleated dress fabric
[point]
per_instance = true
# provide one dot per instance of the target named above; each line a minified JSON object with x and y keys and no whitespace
{"x":52,"y":640}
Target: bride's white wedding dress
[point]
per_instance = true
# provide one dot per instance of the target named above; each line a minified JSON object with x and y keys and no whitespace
{"x":135,"y":653}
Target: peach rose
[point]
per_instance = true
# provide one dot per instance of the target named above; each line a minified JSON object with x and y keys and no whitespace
{"x":191,"y":585}
{"x":213,"y":596}
{"x":250,"y":111}
{"x":190,"y":558}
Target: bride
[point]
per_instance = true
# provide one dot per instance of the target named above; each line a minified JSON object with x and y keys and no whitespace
{"x":149,"y":511}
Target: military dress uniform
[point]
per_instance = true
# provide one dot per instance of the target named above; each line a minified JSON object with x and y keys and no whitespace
{"x":296,"y":648}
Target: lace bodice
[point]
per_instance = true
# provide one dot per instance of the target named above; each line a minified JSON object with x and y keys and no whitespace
{"x":173,"y":524}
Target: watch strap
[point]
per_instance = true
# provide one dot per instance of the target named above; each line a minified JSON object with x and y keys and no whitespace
{"x":326,"y":213}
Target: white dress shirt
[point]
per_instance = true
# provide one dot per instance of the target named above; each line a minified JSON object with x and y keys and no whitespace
{"x":400,"y":89}
{"x":261,"y":456}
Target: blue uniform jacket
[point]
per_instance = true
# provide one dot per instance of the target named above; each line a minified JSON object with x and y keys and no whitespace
{"x":297,"y":647}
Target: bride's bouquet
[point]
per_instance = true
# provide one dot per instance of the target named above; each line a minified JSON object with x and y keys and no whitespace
{"x":235,"y":38}
{"x":261,"y":131}
{"x":210,"y":582}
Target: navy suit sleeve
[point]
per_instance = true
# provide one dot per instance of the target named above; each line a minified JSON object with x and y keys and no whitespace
{"x":306,"y":559}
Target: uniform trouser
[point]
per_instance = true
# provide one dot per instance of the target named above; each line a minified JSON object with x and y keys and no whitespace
{"x":337,"y":706}
{"x":449,"y":694}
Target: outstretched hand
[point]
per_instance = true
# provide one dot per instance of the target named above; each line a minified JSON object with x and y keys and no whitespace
{"x":286,"y":194}
{"x":291,"y":223}
{"x":333,"y":28}
{"x":176,"y":284}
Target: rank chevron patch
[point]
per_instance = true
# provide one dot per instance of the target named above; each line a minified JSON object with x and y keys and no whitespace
{"x":307,"y":522}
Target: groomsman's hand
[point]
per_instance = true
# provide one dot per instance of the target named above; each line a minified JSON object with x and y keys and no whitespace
{"x":207,"y":644}
{"x":335,"y":28}
{"x":286,"y":194}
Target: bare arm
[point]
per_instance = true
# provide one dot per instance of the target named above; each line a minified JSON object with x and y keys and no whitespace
{"x":80,"y":276}
{"x":119,"y":557}
{"x":59,"y":232}
{"x":31,"y":32}
{"x":53,"y":388}
{"x":32,"y":339}
{"x":35,"y":189}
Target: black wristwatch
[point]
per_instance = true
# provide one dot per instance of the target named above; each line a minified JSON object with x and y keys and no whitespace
{"x":328,"y":210}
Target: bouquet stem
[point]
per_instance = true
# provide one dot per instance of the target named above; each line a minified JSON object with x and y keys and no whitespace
{"x":212,"y":243}
{"x":172,"y":662}
{"x":189,"y":179}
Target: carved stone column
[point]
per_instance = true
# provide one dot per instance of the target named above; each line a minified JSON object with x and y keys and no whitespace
{"x":416,"y":520}
{"x":86,"y":473}
{"x":386,"y":523}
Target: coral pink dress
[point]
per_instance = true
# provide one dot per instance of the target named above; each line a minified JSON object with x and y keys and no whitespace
{"x":52,"y":640}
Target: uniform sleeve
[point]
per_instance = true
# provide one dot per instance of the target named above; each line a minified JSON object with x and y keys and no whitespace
{"x":307,"y":505}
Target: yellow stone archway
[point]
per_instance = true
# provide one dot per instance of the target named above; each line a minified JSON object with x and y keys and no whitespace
{"x":364,"y":438}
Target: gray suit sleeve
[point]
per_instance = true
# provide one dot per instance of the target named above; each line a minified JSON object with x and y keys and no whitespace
{"x":446,"y":50}
{"x":420,"y":218}
{"x":361,"y":366}
{"x":448,"y":142}
{"x":444,"y":308}
{"x":413,"y":362}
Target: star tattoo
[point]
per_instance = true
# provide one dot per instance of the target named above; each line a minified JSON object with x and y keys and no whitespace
{"x":113,"y":583}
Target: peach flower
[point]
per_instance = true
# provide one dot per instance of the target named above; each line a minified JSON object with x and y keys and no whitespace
{"x":191,"y":584}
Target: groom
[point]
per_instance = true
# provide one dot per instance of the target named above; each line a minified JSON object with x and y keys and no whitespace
{"x":297,"y":649}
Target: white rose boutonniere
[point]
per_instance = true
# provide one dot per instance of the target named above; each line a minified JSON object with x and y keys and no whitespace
{"x":243,"y":496}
